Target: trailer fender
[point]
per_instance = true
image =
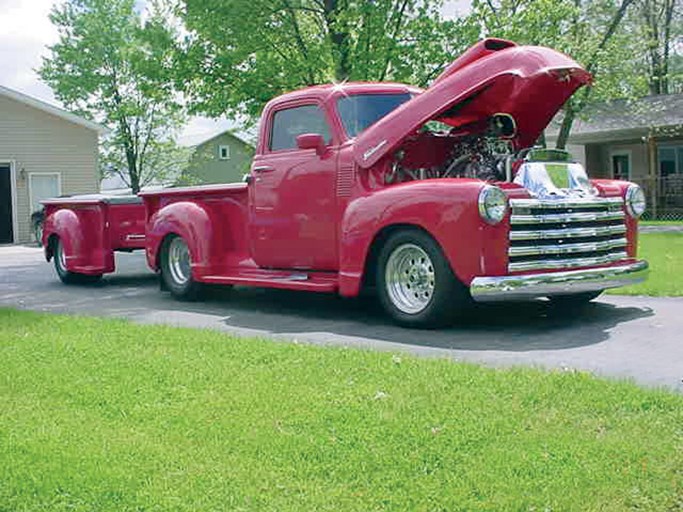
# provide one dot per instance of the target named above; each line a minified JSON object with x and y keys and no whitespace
{"x":65,"y":225}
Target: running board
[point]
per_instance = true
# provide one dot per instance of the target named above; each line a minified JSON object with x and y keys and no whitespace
{"x":313,"y":281}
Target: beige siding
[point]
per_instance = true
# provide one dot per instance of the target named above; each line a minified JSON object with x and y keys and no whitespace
{"x":35,"y":141}
{"x":595,"y":164}
{"x":599,"y":158}
{"x":578,"y":153}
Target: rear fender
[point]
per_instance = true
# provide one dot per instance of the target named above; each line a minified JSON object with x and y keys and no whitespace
{"x":188,"y":220}
{"x":445,"y":209}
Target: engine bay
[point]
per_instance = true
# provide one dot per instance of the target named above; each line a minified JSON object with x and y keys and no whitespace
{"x":481,"y":151}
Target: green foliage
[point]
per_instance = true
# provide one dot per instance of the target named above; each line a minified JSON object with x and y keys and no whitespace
{"x":274,"y":46}
{"x":657,"y":26}
{"x":575,"y":27}
{"x":102,"y":415}
{"x":111,"y":66}
{"x":591,"y":32}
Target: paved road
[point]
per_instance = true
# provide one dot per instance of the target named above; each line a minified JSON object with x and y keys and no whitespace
{"x":625,"y":337}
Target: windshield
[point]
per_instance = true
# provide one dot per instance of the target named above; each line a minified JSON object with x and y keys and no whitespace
{"x":359,"y":111}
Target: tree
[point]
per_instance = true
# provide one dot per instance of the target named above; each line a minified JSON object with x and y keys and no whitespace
{"x":586,"y":30}
{"x":111,"y":66}
{"x":274,"y":46}
{"x":661,"y":26}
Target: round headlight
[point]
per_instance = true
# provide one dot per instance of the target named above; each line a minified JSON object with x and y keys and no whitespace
{"x":493,"y":204}
{"x":635,"y":201}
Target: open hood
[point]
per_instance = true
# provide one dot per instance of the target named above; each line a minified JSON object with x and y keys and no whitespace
{"x":531,"y":83}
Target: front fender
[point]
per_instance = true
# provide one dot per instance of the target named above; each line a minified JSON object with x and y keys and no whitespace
{"x":444,"y":208}
{"x":190,"y":221}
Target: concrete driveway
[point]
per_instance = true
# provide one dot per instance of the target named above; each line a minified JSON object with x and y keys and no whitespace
{"x":640,"y":338}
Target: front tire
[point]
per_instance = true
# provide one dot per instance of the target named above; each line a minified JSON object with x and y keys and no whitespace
{"x":415,"y":283}
{"x":176,"y":269}
{"x":66,"y":276}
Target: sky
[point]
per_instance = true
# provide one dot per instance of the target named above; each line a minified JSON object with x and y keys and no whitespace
{"x":27,"y":31}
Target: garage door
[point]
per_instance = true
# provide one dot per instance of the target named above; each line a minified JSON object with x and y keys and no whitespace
{"x":6,"y":234}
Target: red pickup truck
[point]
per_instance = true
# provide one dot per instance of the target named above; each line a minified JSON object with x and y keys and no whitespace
{"x":433,"y":198}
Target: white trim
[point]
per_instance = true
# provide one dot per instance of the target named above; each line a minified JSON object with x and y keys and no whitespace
{"x":621,"y":152}
{"x":13,"y":186}
{"x":221,"y":147}
{"x":30,"y":189}
{"x":51,"y":109}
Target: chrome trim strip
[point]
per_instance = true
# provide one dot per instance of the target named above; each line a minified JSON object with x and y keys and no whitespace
{"x":568,"y":232}
{"x":524,"y":287}
{"x":562,"y":203}
{"x":521,"y":266}
{"x":534,"y":250}
{"x":565,"y":217}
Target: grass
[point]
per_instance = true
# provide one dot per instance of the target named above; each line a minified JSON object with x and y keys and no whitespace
{"x":664,"y":252}
{"x":661,"y":223}
{"x":104,"y":415}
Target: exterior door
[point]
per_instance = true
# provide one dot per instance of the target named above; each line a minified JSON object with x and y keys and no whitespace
{"x":6,"y":221}
{"x":293,"y":218}
{"x":621,"y":165}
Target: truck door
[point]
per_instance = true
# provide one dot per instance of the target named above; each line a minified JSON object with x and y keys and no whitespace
{"x":293,"y":219}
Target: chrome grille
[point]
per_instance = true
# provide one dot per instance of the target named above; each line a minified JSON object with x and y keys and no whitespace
{"x":562,"y":234}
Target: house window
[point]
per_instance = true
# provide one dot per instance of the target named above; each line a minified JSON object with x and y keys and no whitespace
{"x":621,"y":165}
{"x":43,"y":185}
{"x":224,"y":152}
{"x":670,"y":160}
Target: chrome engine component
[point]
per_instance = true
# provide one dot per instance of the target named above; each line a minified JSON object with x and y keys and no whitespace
{"x":479,"y":157}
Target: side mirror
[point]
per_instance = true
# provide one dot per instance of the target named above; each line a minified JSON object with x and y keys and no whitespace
{"x":311,"y":141}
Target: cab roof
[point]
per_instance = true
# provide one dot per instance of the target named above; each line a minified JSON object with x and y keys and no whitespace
{"x":326,"y":92}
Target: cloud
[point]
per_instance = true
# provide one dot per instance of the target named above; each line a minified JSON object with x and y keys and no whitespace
{"x":26,"y":32}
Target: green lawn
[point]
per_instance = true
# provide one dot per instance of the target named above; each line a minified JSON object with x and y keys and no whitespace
{"x":102,"y":415}
{"x":664,"y":252}
{"x":661,"y":223}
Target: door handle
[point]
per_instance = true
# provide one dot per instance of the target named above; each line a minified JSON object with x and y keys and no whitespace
{"x":263,"y":168}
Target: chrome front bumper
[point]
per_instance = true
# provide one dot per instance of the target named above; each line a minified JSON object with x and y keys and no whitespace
{"x":529,"y":286}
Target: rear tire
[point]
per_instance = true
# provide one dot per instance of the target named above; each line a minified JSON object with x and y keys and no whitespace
{"x":574,"y":300}
{"x":176,"y":269}
{"x":415,"y":283}
{"x":66,"y":276}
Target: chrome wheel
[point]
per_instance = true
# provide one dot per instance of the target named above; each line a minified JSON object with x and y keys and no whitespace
{"x":409,"y":278}
{"x":179,"y":261}
{"x":61,"y":256}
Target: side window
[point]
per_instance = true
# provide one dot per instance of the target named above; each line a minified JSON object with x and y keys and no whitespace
{"x":292,"y":122}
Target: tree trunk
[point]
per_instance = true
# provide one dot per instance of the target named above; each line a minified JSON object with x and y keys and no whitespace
{"x":132,"y":161}
{"x":339,"y":37}
{"x":574,"y":108}
{"x":566,"y":128}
